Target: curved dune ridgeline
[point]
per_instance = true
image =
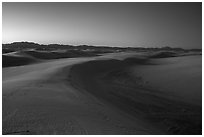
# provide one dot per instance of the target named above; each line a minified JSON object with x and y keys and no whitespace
{"x":111,"y":82}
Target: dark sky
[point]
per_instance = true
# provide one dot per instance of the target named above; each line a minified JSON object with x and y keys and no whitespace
{"x":111,"y":24}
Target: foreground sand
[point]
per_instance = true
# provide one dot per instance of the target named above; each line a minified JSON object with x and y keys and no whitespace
{"x":56,"y":97}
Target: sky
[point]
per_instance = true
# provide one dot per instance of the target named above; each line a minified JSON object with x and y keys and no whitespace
{"x":108,"y":24}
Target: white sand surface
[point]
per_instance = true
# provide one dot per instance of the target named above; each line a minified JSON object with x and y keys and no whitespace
{"x":38,"y":99}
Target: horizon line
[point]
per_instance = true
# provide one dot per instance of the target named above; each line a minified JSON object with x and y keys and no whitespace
{"x":97,"y":45}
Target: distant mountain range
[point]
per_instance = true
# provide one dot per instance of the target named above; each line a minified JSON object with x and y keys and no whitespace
{"x":32,"y":45}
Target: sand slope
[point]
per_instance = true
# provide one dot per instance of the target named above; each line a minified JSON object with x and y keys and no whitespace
{"x":16,"y":59}
{"x":38,"y":99}
{"x":121,"y":83}
{"x":25,"y":57}
{"x":180,"y":76}
{"x":93,"y":95}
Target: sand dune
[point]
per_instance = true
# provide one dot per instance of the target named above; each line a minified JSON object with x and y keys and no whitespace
{"x":112,"y":82}
{"x":93,"y":95}
{"x":17,"y":58}
{"x":180,"y":76}
{"x":38,"y":99}
{"x":58,"y":54}
{"x":25,"y":57}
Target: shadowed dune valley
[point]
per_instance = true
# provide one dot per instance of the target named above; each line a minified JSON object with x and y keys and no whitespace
{"x":102,"y":68}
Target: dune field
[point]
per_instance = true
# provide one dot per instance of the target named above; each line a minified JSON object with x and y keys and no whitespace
{"x":113,"y":94}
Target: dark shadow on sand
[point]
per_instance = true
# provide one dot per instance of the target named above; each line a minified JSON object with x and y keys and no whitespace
{"x":109,"y":81}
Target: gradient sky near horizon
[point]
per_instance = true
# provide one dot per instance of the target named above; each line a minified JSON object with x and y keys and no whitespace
{"x":112,"y":24}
